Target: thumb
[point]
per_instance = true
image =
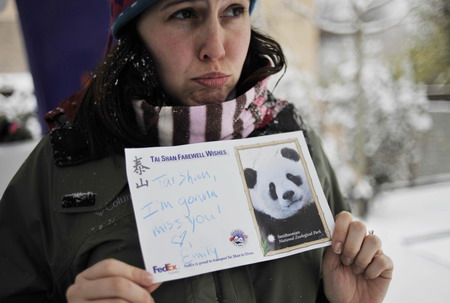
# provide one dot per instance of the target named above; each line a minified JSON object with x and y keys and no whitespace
{"x":153,"y":287}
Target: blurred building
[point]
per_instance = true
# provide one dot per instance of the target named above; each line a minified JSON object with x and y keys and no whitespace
{"x":12,"y":52}
{"x":298,"y":36}
{"x":434,"y":165}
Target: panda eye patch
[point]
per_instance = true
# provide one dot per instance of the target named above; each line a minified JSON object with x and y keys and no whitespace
{"x":297,"y":180}
{"x":273,"y":191}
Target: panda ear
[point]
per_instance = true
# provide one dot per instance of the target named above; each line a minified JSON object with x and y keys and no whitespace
{"x":290,"y":154}
{"x":250,"y":177}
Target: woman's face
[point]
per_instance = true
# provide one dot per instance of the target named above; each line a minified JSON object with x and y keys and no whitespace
{"x":199,"y":46}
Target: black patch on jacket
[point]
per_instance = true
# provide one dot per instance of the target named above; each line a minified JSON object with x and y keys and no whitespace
{"x":78,"y":200}
{"x":70,"y":147}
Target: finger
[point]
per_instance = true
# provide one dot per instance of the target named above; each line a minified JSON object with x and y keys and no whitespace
{"x":109,"y":288}
{"x":115,"y":268}
{"x":369,"y":249}
{"x":342,"y":223}
{"x":381,"y":266}
{"x":355,"y":237}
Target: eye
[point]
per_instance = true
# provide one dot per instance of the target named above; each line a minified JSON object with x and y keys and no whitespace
{"x":297,"y":180}
{"x":185,"y":13}
{"x":234,"y":11}
{"x":273,"y":191}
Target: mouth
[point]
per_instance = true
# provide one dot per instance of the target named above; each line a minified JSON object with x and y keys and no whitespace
{"x":295,"y":201}
{"x":212,"y":80}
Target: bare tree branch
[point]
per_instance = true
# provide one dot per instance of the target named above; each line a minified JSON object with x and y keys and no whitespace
{"x":382,"y":25}
{"x":373,"y":6}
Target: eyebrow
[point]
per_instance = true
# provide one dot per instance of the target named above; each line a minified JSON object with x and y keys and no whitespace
{"x":168,"y":4}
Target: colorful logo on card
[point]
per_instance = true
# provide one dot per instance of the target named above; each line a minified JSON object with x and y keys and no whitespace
{"x":165,"y":268}
{"x":238,"y":238}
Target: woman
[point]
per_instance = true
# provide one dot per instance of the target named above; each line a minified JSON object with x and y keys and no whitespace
{"x":66,"y":217}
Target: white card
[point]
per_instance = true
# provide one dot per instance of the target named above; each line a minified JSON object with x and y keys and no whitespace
{"x":210,"y":206}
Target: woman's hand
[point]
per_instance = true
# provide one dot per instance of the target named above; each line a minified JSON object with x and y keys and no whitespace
{"x":355,"y":269}
{"x":112,"y":281}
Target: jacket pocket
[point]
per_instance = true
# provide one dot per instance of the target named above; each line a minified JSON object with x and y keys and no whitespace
{"x":88,"y":187}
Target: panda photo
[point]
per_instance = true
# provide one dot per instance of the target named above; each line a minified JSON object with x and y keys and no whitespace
{"x":282,"y":201}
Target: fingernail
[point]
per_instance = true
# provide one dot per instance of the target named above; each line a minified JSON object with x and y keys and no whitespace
{"x":147,"y":278}
{"x":337,"y":248}
{"x":347,"y":261}
{"x":357,"y":270}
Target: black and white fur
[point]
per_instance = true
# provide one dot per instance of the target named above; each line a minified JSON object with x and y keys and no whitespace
{"x":279,"y":187}
{"x":282,"y":200}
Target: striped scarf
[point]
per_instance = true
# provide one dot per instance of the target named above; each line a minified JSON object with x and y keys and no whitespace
{"x":232,"y":119}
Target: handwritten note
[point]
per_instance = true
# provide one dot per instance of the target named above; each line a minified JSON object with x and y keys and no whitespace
{"x":210,"y":206}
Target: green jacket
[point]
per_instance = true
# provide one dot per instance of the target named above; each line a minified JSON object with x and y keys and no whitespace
{"x":47,"y":238}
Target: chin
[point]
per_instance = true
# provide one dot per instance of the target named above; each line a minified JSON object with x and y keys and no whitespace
{"x":206,"y":97}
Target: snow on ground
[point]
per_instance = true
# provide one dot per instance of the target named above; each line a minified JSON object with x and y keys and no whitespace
{"x":413,"y":223}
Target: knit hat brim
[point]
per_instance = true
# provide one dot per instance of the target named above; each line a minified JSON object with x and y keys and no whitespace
{"x":129,"y":13}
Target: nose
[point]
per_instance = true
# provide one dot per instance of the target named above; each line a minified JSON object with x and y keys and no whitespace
{"x":212,"y":42}
{"x":288,"y":195}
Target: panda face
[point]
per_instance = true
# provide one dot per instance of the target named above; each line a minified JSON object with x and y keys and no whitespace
{"x":280,"y":188}
{"x":288,"y":195}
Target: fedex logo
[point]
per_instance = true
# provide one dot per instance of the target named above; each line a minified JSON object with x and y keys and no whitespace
{"x":167,"y":267}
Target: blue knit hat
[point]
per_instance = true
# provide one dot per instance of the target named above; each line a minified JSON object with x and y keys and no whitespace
{"x":123,"y":11}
